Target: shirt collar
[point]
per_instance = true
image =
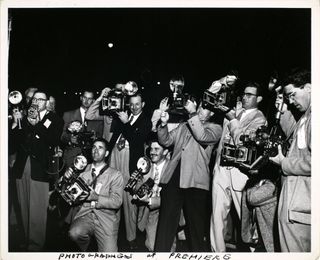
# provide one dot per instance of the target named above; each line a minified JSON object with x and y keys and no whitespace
{"x":42,"y":114}
{"x":97,"y":169}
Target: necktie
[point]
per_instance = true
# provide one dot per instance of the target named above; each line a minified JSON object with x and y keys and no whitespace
{"x":156,"y":175}
{"x":122,"y":141}
{"x":94,"y":178}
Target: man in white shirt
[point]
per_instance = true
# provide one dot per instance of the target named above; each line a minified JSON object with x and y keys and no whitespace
{"x":72,"y":149}
{"x":228,"y":182}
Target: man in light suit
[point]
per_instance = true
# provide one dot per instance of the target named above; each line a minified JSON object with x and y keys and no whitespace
{"x":186,"y":179}
{"x":72,"y":149}
{"x":99,"y":215}
{"x":228,"y":182}
{"x":294,"y":209}
{"x":160,"y":161}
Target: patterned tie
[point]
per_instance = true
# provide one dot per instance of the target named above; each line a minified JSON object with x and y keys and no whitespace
{"x":156,"y":175}
{"x":122,"y":141}
{"x":94,"y":178}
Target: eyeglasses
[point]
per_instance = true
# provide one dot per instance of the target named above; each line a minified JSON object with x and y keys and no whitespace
{"x":86,"y":98}
{"x":248,"y":95}
{"x":38,"y":100}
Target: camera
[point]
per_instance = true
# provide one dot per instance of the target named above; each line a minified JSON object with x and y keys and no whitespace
{"x":72,"y":187}
{"x":116,"y":99}
{"x":143,"y":167}
{"x":254,"y":151}
{"x":221,"y":92}
{"x":145,"y":188}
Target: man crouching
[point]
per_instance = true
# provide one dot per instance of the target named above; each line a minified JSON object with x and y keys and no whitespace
{"x":99,"y":214}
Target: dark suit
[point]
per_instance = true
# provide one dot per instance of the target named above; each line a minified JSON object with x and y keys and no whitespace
{"x":126,"y":162}
{"x":70,"y":152}
{"x":35,"y":144}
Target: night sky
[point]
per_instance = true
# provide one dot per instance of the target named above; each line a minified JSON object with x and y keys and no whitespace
{"x":67,"y":49}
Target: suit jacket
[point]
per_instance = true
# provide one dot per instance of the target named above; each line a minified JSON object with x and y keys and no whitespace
{"x":236,"y":128}
{"x":69,"y":116}
{"x":296,"y":167}
{"x":150,"y":214}
{"x":135,"y":134}
{"x":193,"y":143}
{"x":37,"y":142}
{"x":110,"y":198}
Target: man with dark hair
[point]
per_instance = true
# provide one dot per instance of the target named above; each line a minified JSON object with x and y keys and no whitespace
{"x":294,"y":211}
{"x":99,"y":215}
{"x":228,"y":181}
{"x":41,"y":130}
{"x":71,"y":144}
{"x":186,"y":179}
{"x":127,"y":144}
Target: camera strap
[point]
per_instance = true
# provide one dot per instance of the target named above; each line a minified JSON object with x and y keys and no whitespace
{"x":94,"y":179}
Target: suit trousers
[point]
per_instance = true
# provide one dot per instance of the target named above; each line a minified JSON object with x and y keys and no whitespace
{"x":87,"y":226}
{"x":120,"y":161}
{"x":194,"y":203}
{"x":294,"y":236}
{"x":223,"y":194}
{"x":33,"y":197}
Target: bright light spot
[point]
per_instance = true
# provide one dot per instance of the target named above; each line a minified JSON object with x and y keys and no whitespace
{"x":65,"y":93}
{"x":110,"y":44}
{"x":97,"y":92}
{"x":158,"y":83}
{"x":76,"y":93}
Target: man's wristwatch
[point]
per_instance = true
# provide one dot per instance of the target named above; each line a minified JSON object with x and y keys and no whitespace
{"x":93,"y":204}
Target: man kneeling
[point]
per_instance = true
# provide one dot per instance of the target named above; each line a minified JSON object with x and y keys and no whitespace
{"x":99,"y":214}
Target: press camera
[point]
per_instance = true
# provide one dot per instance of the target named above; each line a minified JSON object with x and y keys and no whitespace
{"x":136,"y":178}
{"x":221,"y":92}
{"x":116,"y":99}
{"x":70,"y":186}
{"x":84,"y":138}
{"x":254,"y":152}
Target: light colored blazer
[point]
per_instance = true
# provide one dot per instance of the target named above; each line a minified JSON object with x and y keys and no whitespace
{"x":296,"y":167}
{"x":193,"y":142}
{"x":110,"y":199}
{"x":251,"y":122}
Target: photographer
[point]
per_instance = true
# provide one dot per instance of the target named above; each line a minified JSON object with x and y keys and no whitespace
{"x":158,"y":155}
{"x":40,"y":132}
{"x":294,"y":212}
{"x":229,"y":182}
{"x":99,"y":215}
{"x":72,"y":146}
{"x":186,"y":179}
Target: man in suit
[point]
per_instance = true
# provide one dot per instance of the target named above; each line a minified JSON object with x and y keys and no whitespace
{"x":70,"y":141}
{"x":294,"y":211}
{"x":186,"y":179}
{"x":160,"y":161}
{"x":127,"y":144}
{"x":99,"y":215}
{"x":40,"y":133}
{"x":229,"y":182}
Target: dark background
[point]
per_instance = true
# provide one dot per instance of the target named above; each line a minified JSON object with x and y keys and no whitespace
{"x":65,"y":50}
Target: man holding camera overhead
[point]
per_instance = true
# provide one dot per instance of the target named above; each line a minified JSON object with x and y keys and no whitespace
{"x":99,"y":215}
{"x":127,"y":146}
{"x":228,"y":181}
{"x":41,"y":131}
{"x":186,"y":179}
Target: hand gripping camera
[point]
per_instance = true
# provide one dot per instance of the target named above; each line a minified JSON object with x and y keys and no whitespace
{"x":254,"y":152}
{"x":72,"y":187}
{"x":220,"y":93}
{"x":136,"y":178}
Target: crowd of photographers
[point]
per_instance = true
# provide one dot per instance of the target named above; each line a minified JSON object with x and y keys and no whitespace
{"x":216,"y":172}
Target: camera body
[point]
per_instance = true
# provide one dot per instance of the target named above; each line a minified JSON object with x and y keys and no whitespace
{"x":145,"y":188}
{"x":113,"y":102}
{"x":254,"y":151}
{"x":221,"y":92}
{"x":72,"y":187}
{"x":143,"y":167}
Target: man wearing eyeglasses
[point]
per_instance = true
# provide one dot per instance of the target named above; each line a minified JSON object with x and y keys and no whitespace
{"x":72,"y":149}
{"x":41,"y":130}
{"x":228,"y":182}
{"x":294,"y":211}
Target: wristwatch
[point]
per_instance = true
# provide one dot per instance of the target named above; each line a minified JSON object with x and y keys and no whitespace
{"x":93,"y":204}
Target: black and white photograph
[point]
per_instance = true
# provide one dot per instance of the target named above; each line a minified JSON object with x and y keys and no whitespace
{"x":150,"y":130}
